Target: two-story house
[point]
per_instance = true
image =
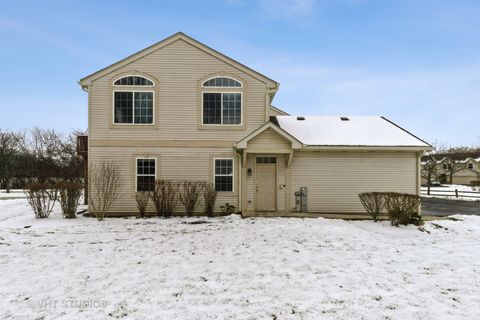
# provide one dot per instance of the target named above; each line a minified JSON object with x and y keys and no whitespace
{"x":181,"y":110}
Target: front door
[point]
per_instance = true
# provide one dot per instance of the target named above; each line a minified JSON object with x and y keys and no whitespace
{"x":265,"y":181}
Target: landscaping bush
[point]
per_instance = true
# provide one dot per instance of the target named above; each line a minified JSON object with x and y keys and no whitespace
{"x":142,"y":202}
{"x":228,"y":209}
{"x":105,"y":184}
{"x":373,"y":202}
{"x":402,"y":208}
{"x":189,"y":194}
{"x":69,"y":198}
{"x":41,"y":197}
{"x":209,"y":198}
{"x":165,"y":197}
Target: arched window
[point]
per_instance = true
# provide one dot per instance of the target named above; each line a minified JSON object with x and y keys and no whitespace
{"x":222,"y":101}
{"x":133,"y":105}
{"x":133,"y":81}
{"x":222,"y":82}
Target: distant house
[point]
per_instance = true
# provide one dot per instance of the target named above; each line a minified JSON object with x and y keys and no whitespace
{"x":181,"y":110}
{"x":461,"y":168}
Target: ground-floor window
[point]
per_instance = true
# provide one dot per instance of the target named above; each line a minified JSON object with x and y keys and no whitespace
{"x":223,"y":174}
{"x":146,"y":174}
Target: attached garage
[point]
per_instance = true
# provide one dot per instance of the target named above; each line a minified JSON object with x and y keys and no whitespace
{"x":330,"y":159}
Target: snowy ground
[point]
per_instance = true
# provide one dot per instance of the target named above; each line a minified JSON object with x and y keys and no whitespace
{"x":13,"y":194}
{"x":450,"y":194}
{"x":229,"y":268}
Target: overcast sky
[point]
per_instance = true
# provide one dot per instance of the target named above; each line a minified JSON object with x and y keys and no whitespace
{"x":416,"y":62}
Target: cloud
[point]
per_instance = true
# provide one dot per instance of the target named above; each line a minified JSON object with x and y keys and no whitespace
{"x":288,"y":9}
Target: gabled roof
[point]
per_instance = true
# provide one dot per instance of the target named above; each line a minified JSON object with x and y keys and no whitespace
{"x":242,"y":144}
{"x":357,"y":131}
{"x":272,"y":84}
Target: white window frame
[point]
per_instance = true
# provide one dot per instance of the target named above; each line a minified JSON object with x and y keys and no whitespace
{"x":470,"y":166}
{"x":133,"y":115}
{"x":129,"y":86}
{"x":143,"y":175}
{"x":218,"y":76}
{"x":224,"y":175}
{"x":221,"y":110}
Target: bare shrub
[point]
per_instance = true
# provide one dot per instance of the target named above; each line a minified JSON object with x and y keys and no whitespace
{"x":69,"y":198}
{"x":228,"y":209}
{"x":373,"y":202}
{"x":142,"y":199}
{"x":209,"y":198}
{"x":165,"y":197}
{"x":189,"y":193}
{"x":402,"y":208}
{"x":104,"y":181}
{"x":41,"y":197}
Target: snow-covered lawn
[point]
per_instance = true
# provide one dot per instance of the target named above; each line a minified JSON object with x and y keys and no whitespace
{"x":233,"y":268}
{"x":447,"y":191}
{"x":13,"y":194}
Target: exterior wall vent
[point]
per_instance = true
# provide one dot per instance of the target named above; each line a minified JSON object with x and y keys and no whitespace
{"x":344,"y":119}
{"x":300,"y":118}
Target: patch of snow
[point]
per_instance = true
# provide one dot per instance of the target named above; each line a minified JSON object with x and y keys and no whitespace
{"x":447,"y":191}
{"x":357,"y":131}
{"x":233,"y":268}
{"x":14,"y":194}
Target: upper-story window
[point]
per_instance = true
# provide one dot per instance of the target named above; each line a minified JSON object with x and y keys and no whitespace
{"x":133,"y":103}
{"x":222,"y":101}
{"x":470,"y":166}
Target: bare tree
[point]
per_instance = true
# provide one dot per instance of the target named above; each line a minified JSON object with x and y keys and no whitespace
{"x":189,"y":193}
{"x":41,"y":197}
{"x":429,"y":171}
{"x":142,"y":199}
{"x":9,"y":148}
{"x":105,"y":186}
{"x":165,"y":197}
{"x":209,"y":198}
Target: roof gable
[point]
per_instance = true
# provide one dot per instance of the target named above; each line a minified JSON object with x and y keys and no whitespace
{"x":243,"y":143}
{"x":272,"y":84}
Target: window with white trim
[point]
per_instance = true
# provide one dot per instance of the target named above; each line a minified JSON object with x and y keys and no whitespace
{"x":146,"y":173}
{"x":222,"y":82}
{"x":134,"y":107}
{"x":133,"y":81}
{"x":221,"y":107}
{"x":133,"y":104}
{"x":470,"y":166}
{"x":223,"y":174}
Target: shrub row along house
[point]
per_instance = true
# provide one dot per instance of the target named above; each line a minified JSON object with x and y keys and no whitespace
{"x":460,"y":168}
{"x":180,"y":110}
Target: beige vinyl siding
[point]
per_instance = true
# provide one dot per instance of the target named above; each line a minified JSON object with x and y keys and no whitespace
{"x":334,"y":180}
{"x":178,"y":70}
{"x":172,"y":163}
{"x":464,"y":176}
{"x":275,"y":112}
{"x":269,"y":139}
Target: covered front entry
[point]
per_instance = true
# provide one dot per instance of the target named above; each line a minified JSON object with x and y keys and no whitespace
{"x":265,"y":183}
{"x":267,"y":154}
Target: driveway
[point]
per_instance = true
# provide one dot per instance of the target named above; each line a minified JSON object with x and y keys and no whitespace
{"x":443,"y":207}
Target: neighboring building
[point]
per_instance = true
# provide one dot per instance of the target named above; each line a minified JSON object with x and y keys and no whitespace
{"x":181,"y":110}
{"x":459,"y":168}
